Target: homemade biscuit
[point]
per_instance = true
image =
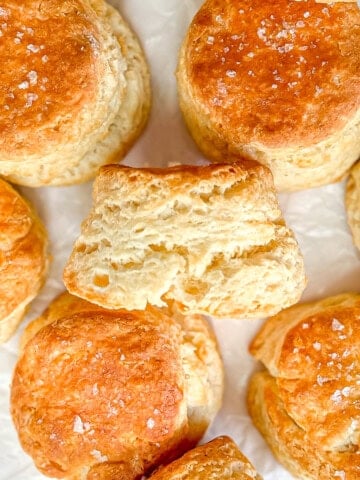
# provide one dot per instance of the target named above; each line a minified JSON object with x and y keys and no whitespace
{"x":276,"y":81}
{"x":112,"y":394}
{"x":211,"y":238}
{"x":306,"y":403}
{"x":23,"y":258}
{"x":218,"y":459}
{"x":352,"y":202}
{"x":74,"y":90}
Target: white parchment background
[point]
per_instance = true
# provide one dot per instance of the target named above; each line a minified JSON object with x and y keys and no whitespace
{"x":317,"y":216}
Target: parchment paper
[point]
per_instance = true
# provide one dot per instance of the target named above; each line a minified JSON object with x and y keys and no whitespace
{"x":317,"y":216}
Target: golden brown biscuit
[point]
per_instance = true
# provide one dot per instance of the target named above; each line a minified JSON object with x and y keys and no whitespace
{"x":211,"y":238}
{"x":74,"y":90}
{"x":275,"y":81}
{"x":218,"y":459}
{"x":352,"y":202}
{"x":23,"y":258}
{"x":306,"y":404}
{"x":111,"y":394}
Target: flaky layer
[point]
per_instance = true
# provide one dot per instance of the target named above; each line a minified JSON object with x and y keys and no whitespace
{"x":113,"y":393}
{"x":277,"y":82}
{"x":203,"y":236}
{"x":87,"y":106}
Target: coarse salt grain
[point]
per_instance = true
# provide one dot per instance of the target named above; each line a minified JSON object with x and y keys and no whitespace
{"x":336,"y":325}
{"x":30,"y":99}
{"x":317,"y":346}
{"x":33,"y":48}
{"x":286,"y":48}
{"x":318,"y":90}
{"x":78,"y":426}
{"x":321,"y":380}
{"x":23,"y":85}
{"x":150,"y":423}
{"x":32,"y":76}
{"x":99,"y":456}
{"x":346,"y":391}
{"x":340,"y":474}
{"x":336,"y":397}
{"x":261,"y":34}
{"x":231,"y":73}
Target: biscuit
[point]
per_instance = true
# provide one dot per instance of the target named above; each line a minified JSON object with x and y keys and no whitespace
{"x":277,"y":82}
{"x":352,"y":202}
{"x":112,"y":394}
{"x":218,"y":459}
{"x":75,"y":90}
{"x":23,"y":258}
{"x":306,"y":403}
{"x":211,"y":238}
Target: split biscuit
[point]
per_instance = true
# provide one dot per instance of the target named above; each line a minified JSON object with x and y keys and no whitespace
{"x":210,"y":238}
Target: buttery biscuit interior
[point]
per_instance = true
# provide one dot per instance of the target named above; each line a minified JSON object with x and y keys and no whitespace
{"x":212,"y":238}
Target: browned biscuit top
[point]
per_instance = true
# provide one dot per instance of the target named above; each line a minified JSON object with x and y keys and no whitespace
{"x":49,"y":70}
{"x":83,"y":386}
{"x":279,"y":72}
